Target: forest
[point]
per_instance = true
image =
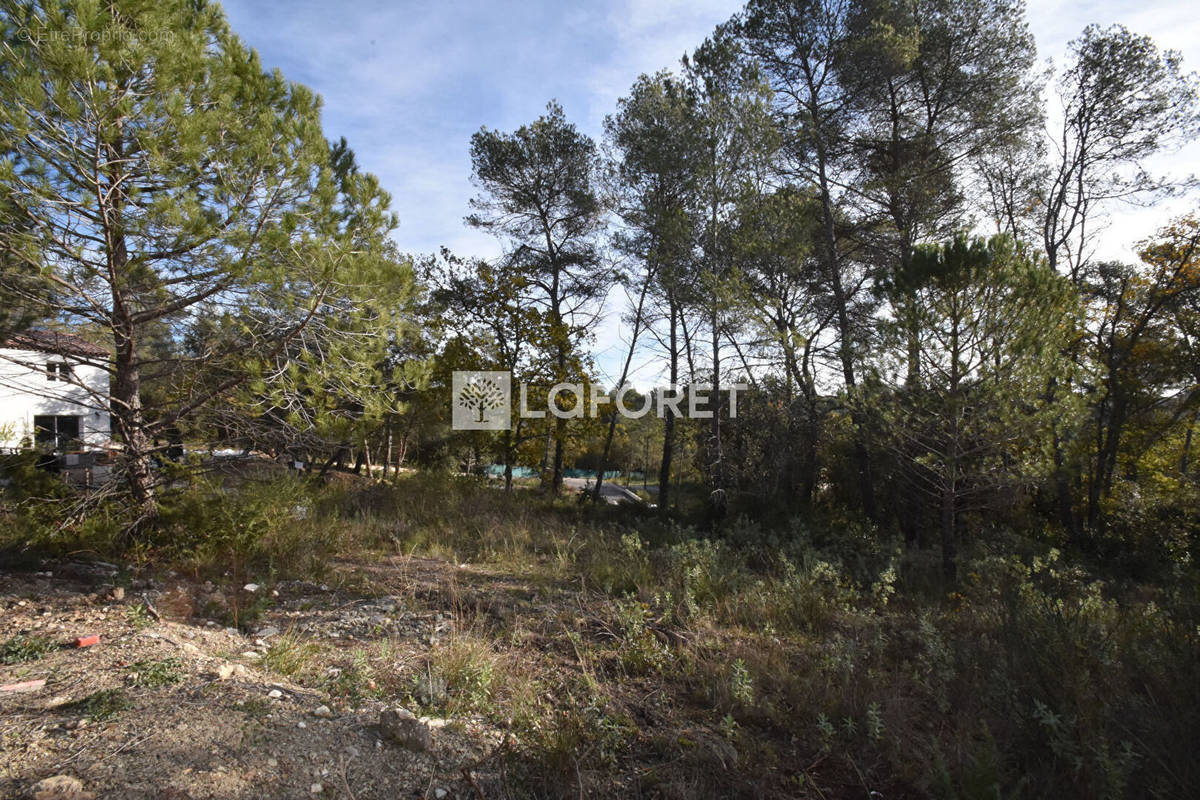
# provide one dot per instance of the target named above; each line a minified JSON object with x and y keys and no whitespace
{"x":936,"y":543}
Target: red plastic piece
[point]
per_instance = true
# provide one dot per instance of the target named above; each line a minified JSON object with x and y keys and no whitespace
{"x":88,"y":641}
{"x":26,"y":686}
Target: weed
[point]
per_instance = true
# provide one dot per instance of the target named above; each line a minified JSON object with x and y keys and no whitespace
{"x":640,"y":650}
{"x":730,"y":729}
{"x":459,"y":677}
{"x":289,"y":654}
{"x":23,"y":648}
{"x":355,"y":681}
{"x":156,"y":674}
{"x":138,"y":617}
{"x":741,"y":685}
{"x":103,"y":704}
{"x":256,"y":708}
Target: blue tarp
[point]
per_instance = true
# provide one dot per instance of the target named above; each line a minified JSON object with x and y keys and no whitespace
{"x":531,"y":472}
{"x":518,"y":472}
{"x":589,"y":473}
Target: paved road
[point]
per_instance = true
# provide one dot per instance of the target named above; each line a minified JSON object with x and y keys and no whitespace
{"x":611,"y":492}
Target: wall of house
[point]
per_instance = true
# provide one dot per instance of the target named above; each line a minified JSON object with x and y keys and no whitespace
{"x":26,"y":392}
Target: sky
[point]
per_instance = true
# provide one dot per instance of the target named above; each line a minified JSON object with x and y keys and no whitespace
{"x":407,"y":83}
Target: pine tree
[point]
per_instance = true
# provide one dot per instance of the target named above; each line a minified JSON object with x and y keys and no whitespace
{"x":168,"y":179}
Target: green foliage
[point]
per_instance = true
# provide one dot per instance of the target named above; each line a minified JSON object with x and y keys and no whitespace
{"x":156,"y":674}
{"x":290,"y":654}
{"x":585,"y":725}
{"x":25,"y":647}
{"x":639,"y":650}
{"x":459,"y":678}
{"x":225,"y":221}
{"x":741,"y":685}
{"x":251,"y":527}
{"x":355,"y":681}
{"x":101,"y":705}
{"x":138,"y":616}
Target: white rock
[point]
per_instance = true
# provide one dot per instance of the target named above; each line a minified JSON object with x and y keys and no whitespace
{"x":323,"y":712}
{"x":251,"y":587}
{"x":301,"y":724}
{"x":250,"y":655}
{"x":64,"y":785}
{"x":274,"y":694}
{"x":227,"y":671}
{"x":316,"y":788}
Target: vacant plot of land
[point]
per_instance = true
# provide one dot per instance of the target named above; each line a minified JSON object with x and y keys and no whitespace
{"x":180,"y":706}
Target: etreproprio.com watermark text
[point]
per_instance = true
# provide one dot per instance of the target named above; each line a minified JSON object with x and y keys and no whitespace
{"x":482,"y":400}
{"x":77,"y":35}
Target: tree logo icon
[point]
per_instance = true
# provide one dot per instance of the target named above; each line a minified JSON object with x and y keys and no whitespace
{"x":481,"y":396}
{"x":482,"y":401}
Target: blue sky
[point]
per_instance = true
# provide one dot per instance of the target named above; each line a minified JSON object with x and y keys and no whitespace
{"x":407,"y":83}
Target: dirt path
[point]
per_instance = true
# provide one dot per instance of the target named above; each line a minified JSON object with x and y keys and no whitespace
{"x":181,"y":706}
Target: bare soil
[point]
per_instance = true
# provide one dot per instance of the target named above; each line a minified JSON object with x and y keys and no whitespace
{"x":217,"y":723}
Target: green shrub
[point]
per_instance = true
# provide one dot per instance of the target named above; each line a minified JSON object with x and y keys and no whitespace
{"x":156,"y":674}
{"x":250,"y":528}
{"x":289,"y":654}
{"x":102,"y":704}
{"x":26,"y":647}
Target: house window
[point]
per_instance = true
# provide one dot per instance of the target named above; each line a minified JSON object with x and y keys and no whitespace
{"x":59,"y":432}
{"x":58,"y":371}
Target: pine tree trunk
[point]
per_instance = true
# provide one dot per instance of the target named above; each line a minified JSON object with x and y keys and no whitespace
{"x":866,"y":480}
{"x":387,"y":448}
{"x":1187,"y":448}
{"x":949,"y":545}
{"x":126,"y":403}
{"x":126,"y":398}
{"x":612,"y":420}
{"x":664,"y":469}
{"x":716,"y":499}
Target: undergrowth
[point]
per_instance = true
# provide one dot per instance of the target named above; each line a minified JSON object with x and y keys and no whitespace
{"x":805,"y":659}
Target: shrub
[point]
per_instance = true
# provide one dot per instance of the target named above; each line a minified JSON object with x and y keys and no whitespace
{"x":289,"y":654}
{"x":24,"y":648}
{"x":156,"y":674}
{"x":253,"y":526}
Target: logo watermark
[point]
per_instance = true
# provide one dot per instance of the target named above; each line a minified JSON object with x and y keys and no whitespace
{"x":77,"y":35}
{"x":482,"y":401}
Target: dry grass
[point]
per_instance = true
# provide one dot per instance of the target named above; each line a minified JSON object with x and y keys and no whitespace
{"x":625,"y":657}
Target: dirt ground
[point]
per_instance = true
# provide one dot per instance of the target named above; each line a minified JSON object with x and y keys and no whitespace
{"x":173,"y":704}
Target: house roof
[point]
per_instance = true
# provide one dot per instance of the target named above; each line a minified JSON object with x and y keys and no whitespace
{"x":54,"y":342}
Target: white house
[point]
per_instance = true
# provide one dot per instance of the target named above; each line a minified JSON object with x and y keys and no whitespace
{"x":53,"y":391}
